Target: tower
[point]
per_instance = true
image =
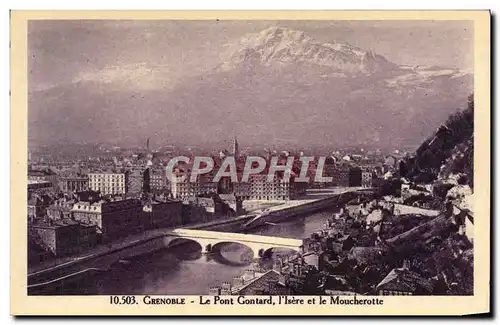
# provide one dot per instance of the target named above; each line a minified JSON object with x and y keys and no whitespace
{"x":236,"y":151}
{"x":149,"y":155}
{"x":146,"y":187}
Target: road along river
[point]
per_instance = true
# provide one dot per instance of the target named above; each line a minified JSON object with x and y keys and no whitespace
{"x":183,"y":270}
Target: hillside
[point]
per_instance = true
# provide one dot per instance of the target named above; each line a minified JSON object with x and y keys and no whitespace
{"x":450,"y":150}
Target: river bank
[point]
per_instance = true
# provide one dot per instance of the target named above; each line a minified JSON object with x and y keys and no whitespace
{"x":151,"y":241}
{"x":182,"y":270}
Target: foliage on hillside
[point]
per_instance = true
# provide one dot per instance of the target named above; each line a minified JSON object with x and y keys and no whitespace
{"x":448,"y":151}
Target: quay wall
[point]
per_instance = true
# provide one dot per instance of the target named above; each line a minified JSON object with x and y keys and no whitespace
{"x":282,"y":214}
{"x":106,"y":259}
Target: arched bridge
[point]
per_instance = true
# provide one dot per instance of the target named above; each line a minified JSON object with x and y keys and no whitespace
{"x":260,"y":245}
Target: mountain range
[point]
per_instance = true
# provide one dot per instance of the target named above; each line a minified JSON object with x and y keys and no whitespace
{"x":276,"y":87}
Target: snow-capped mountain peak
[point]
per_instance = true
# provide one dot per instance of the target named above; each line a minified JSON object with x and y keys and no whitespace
{"x":281,"y":45}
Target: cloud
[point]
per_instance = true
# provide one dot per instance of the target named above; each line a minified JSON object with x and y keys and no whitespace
{"x":142,"y":75}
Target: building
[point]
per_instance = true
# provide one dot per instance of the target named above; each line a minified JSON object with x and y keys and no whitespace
{"x":157,"y":214}
{"x":109,"y":183}
{"x":35,"y":185}
{"x":355,"y":177}
{"x":185,"y":189}
{"x":60,"y":209}
{"x":37,"y":205}
{"x":234,"y":202}
{"x":203,"y":208}
{"x":391,"y":162}
{"x":157,"y":180}
{"x":261,"y":189}
{"x":256,"y":188}
{"x":214,"y":291}
{"x":63,"y":237}
{"x":138,"y":182}
{"x":58,"y":212}
{"x":268,"y":283}
{"x":225,"y":289}
{"x":74,"y":183}
{"x":225,"y":185}
{"x":366,"y":179}
{"x":402,"y":209}
{"x":404,"y":282}
{"x":313,"y":259}
{"x":113,"y":218}
{"x":339,"y":172}
{"x":366,"y":255}
{"x":242,"y":190}
{"x":46,"y":174}
{"x":87,"y":196}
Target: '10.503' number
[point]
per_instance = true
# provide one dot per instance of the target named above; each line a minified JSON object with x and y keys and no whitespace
{"x":122,"y":300}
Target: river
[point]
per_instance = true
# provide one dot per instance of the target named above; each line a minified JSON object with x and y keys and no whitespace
{"x":183,"y":270}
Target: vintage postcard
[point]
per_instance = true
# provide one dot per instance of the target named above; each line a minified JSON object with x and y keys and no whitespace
{"x":250,"y":163}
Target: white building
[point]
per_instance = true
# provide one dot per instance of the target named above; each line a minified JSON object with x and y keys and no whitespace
{"x":108,"y":183}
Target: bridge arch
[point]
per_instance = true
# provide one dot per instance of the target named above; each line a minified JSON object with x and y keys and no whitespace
{"x":278,"y":251}
{"x":210,"y":239}
{"x":244,"y":254}
{"x":178,"y":241}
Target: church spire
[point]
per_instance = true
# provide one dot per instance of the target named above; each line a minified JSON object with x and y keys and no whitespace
{"x":236,"y":151}
{"x":149,"y":155}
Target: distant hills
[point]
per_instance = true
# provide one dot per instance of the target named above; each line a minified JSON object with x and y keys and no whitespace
{"x":279,"y":86}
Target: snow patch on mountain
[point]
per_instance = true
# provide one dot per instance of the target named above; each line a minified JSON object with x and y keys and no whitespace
{"x":422,"y":76}
{"x":276,"y":45}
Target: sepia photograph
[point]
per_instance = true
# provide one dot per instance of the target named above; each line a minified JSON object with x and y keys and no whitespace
{"x":250,"y":158}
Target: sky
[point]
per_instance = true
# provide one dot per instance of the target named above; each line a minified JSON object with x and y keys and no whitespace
{"x":62,"y":52}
